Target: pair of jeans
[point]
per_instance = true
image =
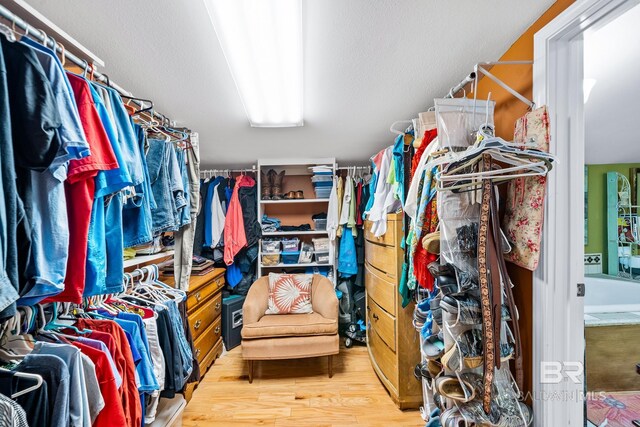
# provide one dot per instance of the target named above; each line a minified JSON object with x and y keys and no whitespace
{"x":166,"y":184}
{"x":186,"y":356}
{"x":185,"y":237}
{"x":136,"y":215}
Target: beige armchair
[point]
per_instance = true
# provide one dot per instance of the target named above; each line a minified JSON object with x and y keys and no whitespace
{"x":290,"y":336}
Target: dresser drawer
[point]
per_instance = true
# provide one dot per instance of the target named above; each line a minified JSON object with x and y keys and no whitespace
{"x":388,"y":238}
{"x":202,"y":293}
{"x":383,"y":323}
{"x":379,"y":289}
{"x":384,"y":258}
{"x":205,"y":342}
{"x":203,"y":317}
{"x":383,"y":357}
{"x":213,"y":354}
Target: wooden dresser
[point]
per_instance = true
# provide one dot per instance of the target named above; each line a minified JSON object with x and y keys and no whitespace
{"x":204,"y":311}
{"x":392,"y":340}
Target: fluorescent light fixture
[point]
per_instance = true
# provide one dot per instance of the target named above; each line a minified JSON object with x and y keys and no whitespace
{"x":587,"y":86}
{"x":262,"y":42}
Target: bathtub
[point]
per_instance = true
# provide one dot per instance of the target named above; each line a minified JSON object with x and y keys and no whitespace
{"x":610,"y":294}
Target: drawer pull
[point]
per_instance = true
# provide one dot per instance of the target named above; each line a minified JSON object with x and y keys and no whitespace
{"x":198,"y":296}
{"x":197,"y":324}
{"x":217,"y":330}
{"x":197,"y":353}
{"x":375,"y":317}
{"x":218,"y":306}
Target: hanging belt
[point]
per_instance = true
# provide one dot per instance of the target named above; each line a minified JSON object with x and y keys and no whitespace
{"x":493,"y":274}
{"x":508,"y":287}
{"x":487,"y":263}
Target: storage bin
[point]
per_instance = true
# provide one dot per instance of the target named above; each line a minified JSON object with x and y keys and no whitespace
{"x":290,"y":257}
{"x":290,"y":245}
{"x":321,"y":244}
{"x":322,"y":178}
{"x":322,"y":184}
{"x":320,"y":224}
{"x":271,"y":259}
{"x":271,"y":246}
{"x":306,"y":253}
{"x":322,"y":257}
{"x":323,"y":193}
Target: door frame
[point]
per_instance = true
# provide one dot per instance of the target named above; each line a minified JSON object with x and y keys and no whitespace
{"x":558,"y":311}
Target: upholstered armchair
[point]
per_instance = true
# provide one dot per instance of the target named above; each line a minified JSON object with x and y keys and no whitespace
{"x":290,"y":336}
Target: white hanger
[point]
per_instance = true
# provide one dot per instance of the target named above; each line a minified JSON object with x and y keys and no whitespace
{"x":396,"y":131}
{"x":27,"y":390}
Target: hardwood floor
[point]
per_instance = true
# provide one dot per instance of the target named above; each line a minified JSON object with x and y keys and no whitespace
{"x":295,"y":393}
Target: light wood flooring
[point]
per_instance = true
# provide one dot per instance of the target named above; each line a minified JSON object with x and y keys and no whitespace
{"x":295,"y":393}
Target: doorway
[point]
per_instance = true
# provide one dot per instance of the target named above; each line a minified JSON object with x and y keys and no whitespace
{"x":561,"y":388}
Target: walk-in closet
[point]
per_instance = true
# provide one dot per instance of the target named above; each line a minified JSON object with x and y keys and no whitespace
{"x":319,"y":213}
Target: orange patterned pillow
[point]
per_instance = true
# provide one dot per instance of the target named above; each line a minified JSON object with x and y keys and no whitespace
{"x":289,"y":294}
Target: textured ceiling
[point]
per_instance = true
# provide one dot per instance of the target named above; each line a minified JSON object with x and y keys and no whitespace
{"x":366,"y":63}
{"x":612,"y":115}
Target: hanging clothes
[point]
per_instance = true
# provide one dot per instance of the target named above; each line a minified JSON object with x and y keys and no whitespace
{"x":333,"y":211}
{"x":235,"y":237}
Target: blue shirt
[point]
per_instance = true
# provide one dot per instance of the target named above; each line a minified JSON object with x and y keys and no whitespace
{"x":73,"y":142}
{"x":113,"y":180}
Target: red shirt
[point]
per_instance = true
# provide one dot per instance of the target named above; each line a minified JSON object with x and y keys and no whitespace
{"x":129,"y":392}
{"x":112,"y":415}
{"x":80,"y":189}
{"x":235,"y":237}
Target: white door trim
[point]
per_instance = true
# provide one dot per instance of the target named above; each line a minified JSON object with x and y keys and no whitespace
{"x":558,"y":313}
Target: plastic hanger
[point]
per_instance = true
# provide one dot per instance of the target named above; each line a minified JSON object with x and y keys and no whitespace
{"x":396,"y":131}
{"x":53,"y":324}
{"x":27,"y":390}
{"x":8,"y":33}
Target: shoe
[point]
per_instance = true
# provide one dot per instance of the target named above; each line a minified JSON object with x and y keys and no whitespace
{"x":290,"y":195}
{"x":276,"y":192}
{"x":267,"y":185}
{"x":470,"y":348}
{"x":433,"y":346}
{"x":461,"y":388}
{"x":428,"y":369}
{"x":466,"y":309}
{"x":431,"y":243}
{"x":466,"y":353}
{"x":299,"y":194}
{"x":436,"y":310}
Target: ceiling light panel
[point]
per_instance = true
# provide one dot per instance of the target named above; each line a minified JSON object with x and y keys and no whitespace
{"x":262,"y":42}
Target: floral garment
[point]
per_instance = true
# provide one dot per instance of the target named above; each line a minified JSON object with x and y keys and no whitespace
{"x":524,"y":214}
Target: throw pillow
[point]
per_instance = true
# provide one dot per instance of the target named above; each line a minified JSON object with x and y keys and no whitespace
{"x":289,"y":294}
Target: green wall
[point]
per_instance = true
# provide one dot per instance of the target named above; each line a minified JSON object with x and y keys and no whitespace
{"x":597,"y":206}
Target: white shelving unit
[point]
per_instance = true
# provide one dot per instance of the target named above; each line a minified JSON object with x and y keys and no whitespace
{"x":297,"y":176}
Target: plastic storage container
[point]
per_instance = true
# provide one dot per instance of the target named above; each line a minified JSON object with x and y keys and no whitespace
{"x":321,"y":244}
{"x":271,"y":259}
{"x":320,"y":224}
{"x":290,"y":257}
{"x":323,"y":192}
{"x":290,"y":245}
{"x":271,"y":246}
{"x":306,"y":253}
{"x":322,"y":178}
{"x":322,"y":257}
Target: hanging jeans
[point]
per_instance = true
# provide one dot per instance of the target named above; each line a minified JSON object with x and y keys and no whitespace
{"x":185,"y":236}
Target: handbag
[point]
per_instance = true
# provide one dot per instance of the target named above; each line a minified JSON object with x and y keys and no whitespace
{"x":524,"y":211}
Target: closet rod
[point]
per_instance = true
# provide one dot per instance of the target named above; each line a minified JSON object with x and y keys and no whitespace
{"x":40,"y":35}
{"x":478,"y":69}
{"x":352,"y":167}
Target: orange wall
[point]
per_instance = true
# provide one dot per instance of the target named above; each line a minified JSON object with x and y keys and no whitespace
{"x":508,"y":110}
